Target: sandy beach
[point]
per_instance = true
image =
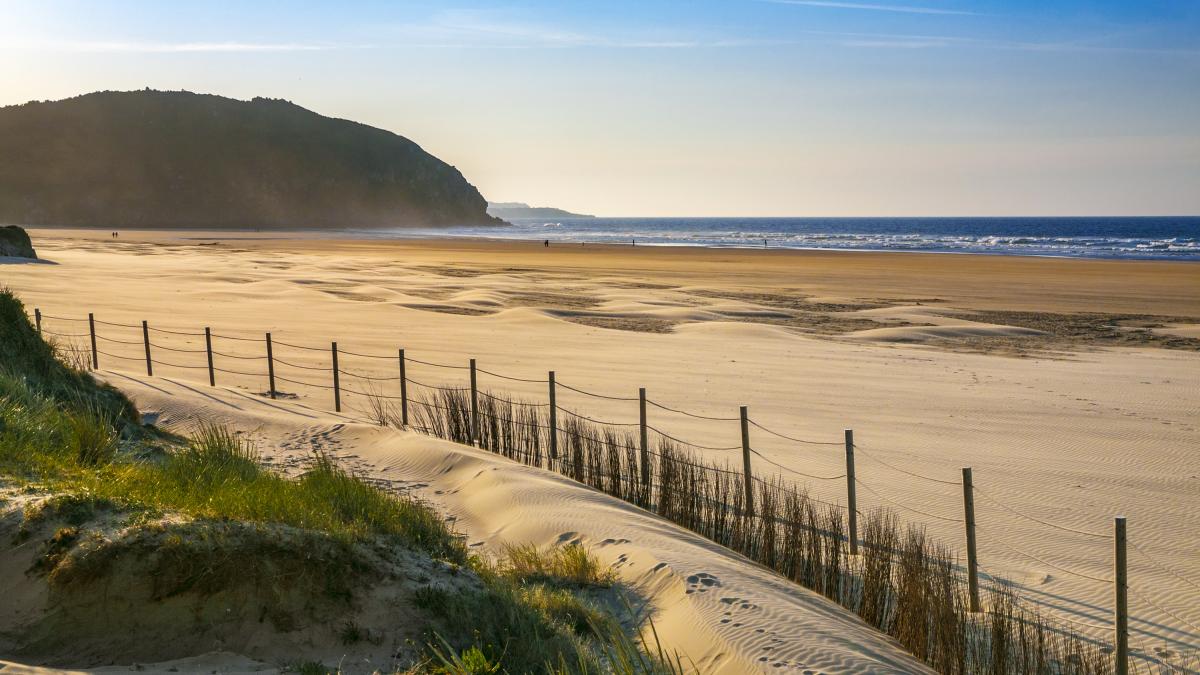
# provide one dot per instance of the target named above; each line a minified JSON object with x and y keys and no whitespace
{"x":1069,"y":386}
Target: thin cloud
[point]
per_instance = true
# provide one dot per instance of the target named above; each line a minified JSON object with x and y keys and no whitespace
{"x":494,"y":29}
{"x":903,"y":9}
{"x":167,"y":47}
{"x":917,"y":41}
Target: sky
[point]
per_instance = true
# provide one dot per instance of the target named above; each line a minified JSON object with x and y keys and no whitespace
{"x":694,"y":108}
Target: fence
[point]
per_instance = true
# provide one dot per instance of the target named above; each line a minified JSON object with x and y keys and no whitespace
{"x":950,"y":615}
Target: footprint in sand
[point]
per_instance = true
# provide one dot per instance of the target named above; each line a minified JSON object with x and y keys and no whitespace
{"x":701,"y":582}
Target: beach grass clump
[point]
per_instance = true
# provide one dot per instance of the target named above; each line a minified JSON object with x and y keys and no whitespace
{"x":570,"y":565}
{"x":533,"y":614}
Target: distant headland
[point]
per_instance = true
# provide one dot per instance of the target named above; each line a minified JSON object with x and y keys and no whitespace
{"x":511,"y":210}
{"x":178,"y":159}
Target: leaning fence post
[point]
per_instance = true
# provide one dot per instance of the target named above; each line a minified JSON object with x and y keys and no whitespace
{"x":645,"y":438}
{"x":146,"y":340}
{"x":212,"y":378}
{"x":474,"y":431}
{"x":553,"y":418}
{"x":403,"y":393}
{"x":92,"y":332}
{"x":37,"y":317}
{"x":972,"y":556}
{"x":746,"y":461}
{"x":337,"y":383}
{"x":270,"y":368}
{"x":1121,"y":583}
{"x":851,"y":496}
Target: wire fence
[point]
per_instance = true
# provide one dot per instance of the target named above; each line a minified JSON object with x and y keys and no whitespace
{"x":619,"y":457}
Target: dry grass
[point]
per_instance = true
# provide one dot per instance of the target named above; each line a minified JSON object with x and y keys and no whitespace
{"x":901,"y":582}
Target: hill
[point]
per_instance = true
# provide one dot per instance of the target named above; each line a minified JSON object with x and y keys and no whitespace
{"x":178,"y":159}
{"x":510,"y":210}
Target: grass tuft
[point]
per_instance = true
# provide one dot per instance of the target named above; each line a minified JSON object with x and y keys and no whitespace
{"x":569,"y":565}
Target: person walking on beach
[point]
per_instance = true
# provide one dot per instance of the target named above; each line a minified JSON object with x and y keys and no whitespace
{"x":546,"y":243}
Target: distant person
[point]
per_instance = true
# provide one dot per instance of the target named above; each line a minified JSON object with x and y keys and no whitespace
{"x":764,"y":243}
{"x":546,"y":243}
{"x":633,"y":242}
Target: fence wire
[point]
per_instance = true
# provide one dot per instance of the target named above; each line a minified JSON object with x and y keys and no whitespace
{"x":611,"y":441}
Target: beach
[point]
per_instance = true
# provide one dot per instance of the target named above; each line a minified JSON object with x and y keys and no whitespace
{"x":1068,"y":386}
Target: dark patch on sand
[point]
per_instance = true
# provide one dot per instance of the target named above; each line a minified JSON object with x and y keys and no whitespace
{"x":634,"y":324}
{"x":541,"y":299}
{"x":1072,"y":331}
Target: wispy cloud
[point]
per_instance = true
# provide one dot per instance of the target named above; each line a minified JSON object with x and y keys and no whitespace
{"x":135,"y":47}
{"x":918,"y":41}
{"x":903,"y":9}
{"x":499,"y":29}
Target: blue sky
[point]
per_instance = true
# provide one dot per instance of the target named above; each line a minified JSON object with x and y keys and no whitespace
{"x":740,"y":107}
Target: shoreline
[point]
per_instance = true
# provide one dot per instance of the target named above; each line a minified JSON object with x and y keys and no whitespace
{"x":965,"y":282}
{"x":426,"y":235}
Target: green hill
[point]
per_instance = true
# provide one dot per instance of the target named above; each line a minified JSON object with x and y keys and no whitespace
{"x":177,"y":159}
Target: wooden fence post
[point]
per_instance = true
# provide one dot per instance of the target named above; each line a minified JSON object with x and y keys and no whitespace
{"x":851,"y":494}
{"x":92,"y":332}
{"x":270,"y":368}
{"x":37,"y":317}
{"x":1121,"y":582}
{"x":474,"y":430}
{"x":212,"y":377}
{"x":746,"y":461}
{"x":403,"y":392}
{"x":645,"y":439}
{"x":972,"y":556}
{"x":337,"y":382}
{"x":553,"y":418}
{"x":146,"y":340}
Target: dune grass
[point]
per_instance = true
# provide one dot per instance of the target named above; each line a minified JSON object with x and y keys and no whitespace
{"x":571,"y":564}
{"x":537,"y":597}
{"x":215,"y":475}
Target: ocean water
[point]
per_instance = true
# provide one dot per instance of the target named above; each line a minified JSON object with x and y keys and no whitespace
{"x":1167,"y":238}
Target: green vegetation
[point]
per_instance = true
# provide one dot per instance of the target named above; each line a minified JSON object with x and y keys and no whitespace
{"x":178,"y":159}
{"x":200,"y":517}
{"x":532,"y":611}
{"x":26,"y":357}
{"x":571,"y":564}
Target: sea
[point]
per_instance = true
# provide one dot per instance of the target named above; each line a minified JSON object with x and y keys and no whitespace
{"x":1141,"y":238}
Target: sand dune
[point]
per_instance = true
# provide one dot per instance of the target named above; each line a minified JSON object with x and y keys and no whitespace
{"x":1071,"y":434}
{"x":726,"y":614}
